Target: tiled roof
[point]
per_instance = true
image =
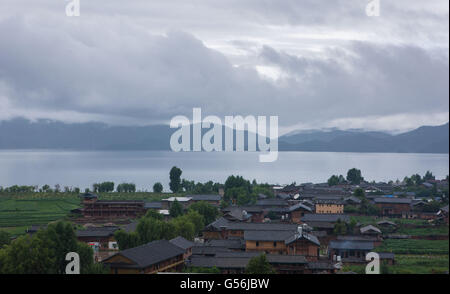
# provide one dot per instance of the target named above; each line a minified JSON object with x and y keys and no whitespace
{"x":271,"y":202}
{"x":369,"y":228}
{"x":205,"y":197}
{"x":151,"y":253}
{"x":355,"y":245}
{"x":392,"y":200}
{"x":267,"y":235}
{"x":182,"y":242}
{"x":319,"y":217}
{"x":222,"y":222}
{"x":154,"y":205}
{"x":97,"y":232}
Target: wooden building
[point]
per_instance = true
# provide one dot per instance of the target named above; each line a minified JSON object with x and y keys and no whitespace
{"x":151,"y":258}
{"x":225,"y":229}
{"x":391,"y":206}
{"x":236,"y":262}
{"x":329,"y":206}
{"x":283,"y":243}
{"x":184,"y":244}
{"x":106,"y":209}
{"x":350,"y":251}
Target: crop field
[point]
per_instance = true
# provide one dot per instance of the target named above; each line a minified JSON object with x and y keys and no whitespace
{"x":17,"y":212}
{"x":410,"y":264}
{"x":413,"y":246}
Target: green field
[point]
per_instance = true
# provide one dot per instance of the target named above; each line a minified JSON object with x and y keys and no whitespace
{"x":413,"y":246}
{"x":438,"y":230}
{"x":17,"y":212}
{"x":410,"y":264}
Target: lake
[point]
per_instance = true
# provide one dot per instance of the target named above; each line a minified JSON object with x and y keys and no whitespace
{"x":144,"y":168}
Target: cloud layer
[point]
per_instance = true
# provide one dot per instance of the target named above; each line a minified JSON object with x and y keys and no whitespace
{"x":313,"y":63}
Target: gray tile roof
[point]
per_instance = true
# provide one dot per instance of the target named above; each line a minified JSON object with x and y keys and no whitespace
{"x":369,"y":228}
{"x":182,"y":242}
{"x":153,"y":205}
{"x":272,"y":202}
{"x":267,"y":235}
{"x":222,"y":222}
{"x":151,"y":253}
{"x":392,"y":200}
{"x":299,"y":206}
{"x":211,"y":197}
{"x":226,"y":243}
{"x":96,"y":232}
{"x":352,"y":245}
{"x":319,"y":217}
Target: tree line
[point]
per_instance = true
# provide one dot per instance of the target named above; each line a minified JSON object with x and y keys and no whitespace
{"x":153,"y":227}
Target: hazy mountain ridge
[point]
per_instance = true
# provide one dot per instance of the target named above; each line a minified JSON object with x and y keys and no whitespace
{"x":23,"y":134}
{"x":425,"y":139}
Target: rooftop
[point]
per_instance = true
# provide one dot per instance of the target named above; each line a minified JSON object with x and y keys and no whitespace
{"x":151,"y":253}
{"x":352,"y":245}
{"x":182,"y":242}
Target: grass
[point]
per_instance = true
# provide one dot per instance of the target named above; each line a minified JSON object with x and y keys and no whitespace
{"x":413,"y":246}
{"x":19,"y":211}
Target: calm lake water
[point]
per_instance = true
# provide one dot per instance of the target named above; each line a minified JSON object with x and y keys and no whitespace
{"x":81,"y":169}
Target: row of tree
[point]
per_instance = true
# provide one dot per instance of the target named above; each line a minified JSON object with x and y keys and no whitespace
{"x":354,"y":177}
{"x":153,"y":227}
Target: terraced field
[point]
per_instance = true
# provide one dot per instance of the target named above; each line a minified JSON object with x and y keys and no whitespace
{"x":17,"y":212}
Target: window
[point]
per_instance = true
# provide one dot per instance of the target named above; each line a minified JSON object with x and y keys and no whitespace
{"x":257,"y":243}
{"x":274,"y":244}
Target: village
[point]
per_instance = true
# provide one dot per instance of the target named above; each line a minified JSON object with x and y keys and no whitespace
{"x":298,"y":229}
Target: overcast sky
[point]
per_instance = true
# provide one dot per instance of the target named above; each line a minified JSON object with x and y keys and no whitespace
{"x":314,"y":63}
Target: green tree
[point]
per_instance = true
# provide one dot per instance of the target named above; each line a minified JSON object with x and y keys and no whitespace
{"x":175,"y":179}
{"x":176,"y":209}
{"x":157,"y":187}
{"x":340,"y":228}
{"x":428,"y":176}
{"x":333,"y":180}
{"x":360,"y":193}
{"x":44,"y":252}
{"x":209,"y":212}
{"x":354,"y":176}
{"x":259,"y":265}
{"x":5,"y":238}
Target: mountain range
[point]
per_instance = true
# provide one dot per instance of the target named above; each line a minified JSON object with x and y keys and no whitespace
{"x":44,"y":134}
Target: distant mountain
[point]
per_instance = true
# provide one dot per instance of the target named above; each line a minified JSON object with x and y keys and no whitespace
{"x":425,"y":139}
{"x":43,"y":134}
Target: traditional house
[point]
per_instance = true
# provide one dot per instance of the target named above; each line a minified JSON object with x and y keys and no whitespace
{"x":236,"y":262}
{"x":225,"y":229}
{"x":153,"y":257}
{"x":329,"y":206}
{"x":100,"y":237}
{"x":237,"y":214}
{"x":377,"y":241}
{"x":184,"y":201}
{"x":283,"y":242}
{"x":370,"y":230}
{"x":391,"y":206}
{"x":212,"y":199}
{"x":295,"y":212}
{"x":324,"y":222}
{"x":109,"y":209}
{"x":350,"y":251}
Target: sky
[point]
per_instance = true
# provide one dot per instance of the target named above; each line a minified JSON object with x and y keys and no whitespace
{"x":313,"y":63}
